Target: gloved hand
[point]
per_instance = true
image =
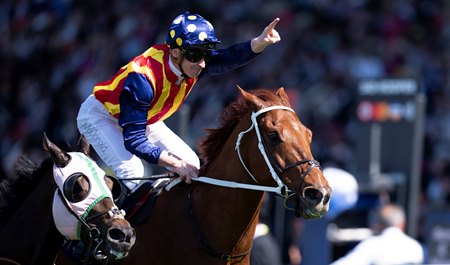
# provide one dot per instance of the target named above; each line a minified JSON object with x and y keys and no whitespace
{"x":174,"y":164}
{"x":268,"y":37}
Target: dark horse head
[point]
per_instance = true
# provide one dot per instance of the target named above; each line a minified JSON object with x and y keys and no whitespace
{"x":27,"y":225}
{"x":84,"y":208}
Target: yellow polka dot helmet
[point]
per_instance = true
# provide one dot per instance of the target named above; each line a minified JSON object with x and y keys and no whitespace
{"x":191,"y":29}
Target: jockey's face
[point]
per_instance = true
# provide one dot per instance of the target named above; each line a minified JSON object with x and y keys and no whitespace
{"x":191,"y":61}
{"x":193,"y":69}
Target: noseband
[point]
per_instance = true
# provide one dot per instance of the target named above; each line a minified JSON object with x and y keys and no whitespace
{"x":279,"y":170}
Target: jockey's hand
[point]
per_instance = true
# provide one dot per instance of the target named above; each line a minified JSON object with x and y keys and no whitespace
{"x":268,"y":37}
{"x":174,"y":164}
{"x":185,"y":170}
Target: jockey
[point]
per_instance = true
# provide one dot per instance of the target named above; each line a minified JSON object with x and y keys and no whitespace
{"x":124,"y":117}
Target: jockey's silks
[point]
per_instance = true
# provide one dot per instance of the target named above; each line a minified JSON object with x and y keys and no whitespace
{"x":152,"y":65}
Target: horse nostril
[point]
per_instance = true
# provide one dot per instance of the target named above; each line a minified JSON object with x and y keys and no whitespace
{"x":313,"y":195}
{"x":116,"y":234}
{"x":326,"y":199}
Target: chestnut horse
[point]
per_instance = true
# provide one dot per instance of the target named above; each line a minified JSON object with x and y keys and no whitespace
{"x":27,"y":226}
{"x":261,"y":146}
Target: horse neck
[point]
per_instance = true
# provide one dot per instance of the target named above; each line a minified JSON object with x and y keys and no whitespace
{"x":226,"y":217}
{"x":227,"y":165}
{"x":235,"y":211}
{"x":39,"y":202}
{"x":43,"y":240}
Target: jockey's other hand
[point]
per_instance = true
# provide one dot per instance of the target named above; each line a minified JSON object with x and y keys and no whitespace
{"x":174,"y":164}
{"x":268,"y":37}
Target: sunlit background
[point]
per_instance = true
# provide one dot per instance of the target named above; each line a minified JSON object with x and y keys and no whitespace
{"x":53,"y":52}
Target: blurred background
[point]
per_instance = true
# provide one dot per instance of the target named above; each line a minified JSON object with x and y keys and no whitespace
{"x":370,"y":78}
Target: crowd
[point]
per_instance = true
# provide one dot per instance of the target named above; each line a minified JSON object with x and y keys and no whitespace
{"x":52,"y":52}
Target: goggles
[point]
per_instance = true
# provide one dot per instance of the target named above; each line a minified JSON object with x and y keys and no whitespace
{"x":195,"y":55}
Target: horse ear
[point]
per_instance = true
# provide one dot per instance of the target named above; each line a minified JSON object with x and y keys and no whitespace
{"x":284,"y":97}
{"x":60,"y":157}
{"x":254,"y":102}
{"x":83,"y":145}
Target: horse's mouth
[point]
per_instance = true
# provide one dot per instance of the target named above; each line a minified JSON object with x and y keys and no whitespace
{"x":110,"y":254}
{"x":312,"y":214}
{"x":117,"y":255}
{"x":301,"y":210}
{"x":111,"y":250}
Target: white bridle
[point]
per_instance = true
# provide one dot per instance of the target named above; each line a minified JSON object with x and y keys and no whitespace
{"x":231,"y":184}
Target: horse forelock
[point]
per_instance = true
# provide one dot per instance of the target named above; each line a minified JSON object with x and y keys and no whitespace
{"x":15,"y":188}
{"x":212,"y":143}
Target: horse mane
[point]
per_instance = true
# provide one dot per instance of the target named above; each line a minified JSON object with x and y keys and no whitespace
{"x":15,"y":188}
{"x":212,"y":143}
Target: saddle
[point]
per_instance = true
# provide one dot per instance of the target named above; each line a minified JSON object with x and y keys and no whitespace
{"x":139,"y":204}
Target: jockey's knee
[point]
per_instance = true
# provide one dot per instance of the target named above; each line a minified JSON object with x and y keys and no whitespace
{"x":130,"y":169}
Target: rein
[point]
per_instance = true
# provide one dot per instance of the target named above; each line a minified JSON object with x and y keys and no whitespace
{"x":269,"y":160}
{"x":281,"y":189}
{"x":262,"y":150}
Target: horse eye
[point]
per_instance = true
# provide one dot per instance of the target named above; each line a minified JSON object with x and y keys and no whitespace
{"x":76,"y":187}
{"x":274,"y":138}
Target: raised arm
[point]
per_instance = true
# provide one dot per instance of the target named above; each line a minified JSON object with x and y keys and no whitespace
{"x":268,"y":37}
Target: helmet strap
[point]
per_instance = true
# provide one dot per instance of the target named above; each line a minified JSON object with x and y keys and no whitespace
{"x":183,"y":74}
{"x":179,"y":60}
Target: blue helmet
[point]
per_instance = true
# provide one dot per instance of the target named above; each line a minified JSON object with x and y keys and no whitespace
{"x":191,"y":29}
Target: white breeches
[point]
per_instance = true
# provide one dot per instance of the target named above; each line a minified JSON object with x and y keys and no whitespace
{"x":105,"y":136}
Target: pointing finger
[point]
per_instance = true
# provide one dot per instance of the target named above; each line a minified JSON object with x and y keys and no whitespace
{"x":273,"y":24}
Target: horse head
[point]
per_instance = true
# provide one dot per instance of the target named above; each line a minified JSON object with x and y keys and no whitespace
{"x":284,"y":143}
{"x":84,"y":207}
